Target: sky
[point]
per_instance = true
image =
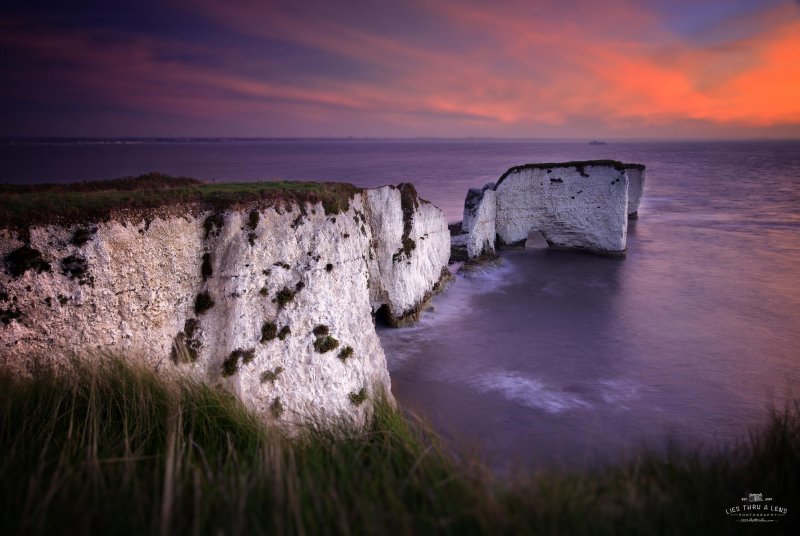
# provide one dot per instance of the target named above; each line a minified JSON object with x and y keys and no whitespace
{"x":411,"y":68}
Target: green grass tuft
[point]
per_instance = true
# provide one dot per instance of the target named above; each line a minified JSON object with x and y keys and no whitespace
{"x":110,"y":448}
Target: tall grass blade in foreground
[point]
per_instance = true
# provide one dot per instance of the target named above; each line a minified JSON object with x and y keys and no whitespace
{"x":109,"y":448}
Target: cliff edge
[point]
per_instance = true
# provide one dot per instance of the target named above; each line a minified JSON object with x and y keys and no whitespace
{"x":268,"y":289}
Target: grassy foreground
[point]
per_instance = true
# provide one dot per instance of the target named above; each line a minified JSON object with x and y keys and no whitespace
{"x":112,"y":449}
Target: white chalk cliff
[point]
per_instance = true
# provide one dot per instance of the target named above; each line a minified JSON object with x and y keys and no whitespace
{"x":276,"y":305}
{"x":575,"y":205}
{"x":636,"y":175}
{"x":480,"y":213}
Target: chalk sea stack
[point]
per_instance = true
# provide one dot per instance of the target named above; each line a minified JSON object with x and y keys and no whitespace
{"x":575,"y":205}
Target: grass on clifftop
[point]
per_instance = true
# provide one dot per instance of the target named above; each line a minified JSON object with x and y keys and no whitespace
{"x":113,"y":449}
{"x":91,"y":201}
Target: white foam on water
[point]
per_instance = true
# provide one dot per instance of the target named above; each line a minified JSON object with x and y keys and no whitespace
{"x":619,"y":391}
{"x":401,"y":344}
{"x":529,"y":392}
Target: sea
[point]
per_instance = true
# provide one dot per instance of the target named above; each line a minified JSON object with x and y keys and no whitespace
{"x":550,"y":358}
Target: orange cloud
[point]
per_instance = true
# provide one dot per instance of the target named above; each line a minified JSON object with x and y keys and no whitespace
{"x":523,"y":68}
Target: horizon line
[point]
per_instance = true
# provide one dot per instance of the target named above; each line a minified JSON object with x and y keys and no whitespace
{"x":157,"y":139}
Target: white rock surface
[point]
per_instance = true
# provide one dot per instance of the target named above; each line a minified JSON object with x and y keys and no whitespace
{"x":581,"y":207}
{"x":636,"y":174}
{"x":401,"y":274}
{"x":479,"y":220}
{"x":145,"y":278}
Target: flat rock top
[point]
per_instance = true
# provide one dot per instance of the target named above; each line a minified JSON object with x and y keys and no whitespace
{"x":579,"y":165}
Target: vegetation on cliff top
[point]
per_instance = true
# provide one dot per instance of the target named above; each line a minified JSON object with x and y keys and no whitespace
{"x":579,"y":165}
{"x":114,"y":449}
{"x":92,"y":201}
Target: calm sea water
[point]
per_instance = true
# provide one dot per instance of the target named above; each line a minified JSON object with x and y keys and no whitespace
{"x":556,"y":357}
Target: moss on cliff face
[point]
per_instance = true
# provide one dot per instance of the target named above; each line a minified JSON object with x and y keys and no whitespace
{"x":26,"y":258}
{"x":409,"y":202}
{"x":92,"y":201}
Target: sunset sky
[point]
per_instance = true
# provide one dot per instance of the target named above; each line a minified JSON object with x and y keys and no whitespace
{"x":568,"y":68}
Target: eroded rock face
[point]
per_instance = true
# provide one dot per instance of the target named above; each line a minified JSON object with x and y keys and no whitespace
{"x":235,"y":298}
{"x":479,"y":221}
{"x":575,"y":205}
{"x":411,"y":245}
{"x":636,"y":173}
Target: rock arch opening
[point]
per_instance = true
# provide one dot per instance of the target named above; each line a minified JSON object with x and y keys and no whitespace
{"x":536,"y":240}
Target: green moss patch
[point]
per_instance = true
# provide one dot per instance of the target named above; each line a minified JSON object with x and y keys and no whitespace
{"x":230,"y":365}
{"x":186,"y":346}
{"x":212,"y":225}
{"x":205,"y":266}
{"x":81,"y":236}
{"x":405,"y":250}
{"x":253,"y":219}
{"x":9,"y":314}
{"x":358,"y":398}
{"x":409,"y":202}
{"x":325,"y":344}
{"x":203,"y":303}
{"x":321,"y":330}
{"x":276,"y":408}
{"x":284,"y":297}
{"x":345,"y":353}
{"x":269,"y":331}
{"x":271,"y":375}
{"x":26,"y":258}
